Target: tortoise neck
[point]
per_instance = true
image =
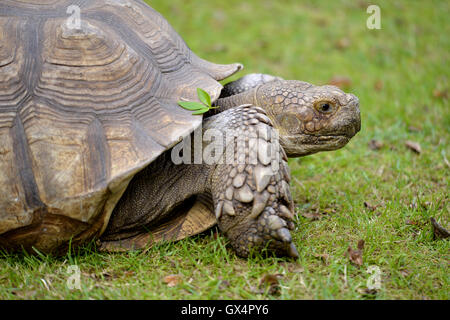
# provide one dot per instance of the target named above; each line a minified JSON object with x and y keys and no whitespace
{"x":246,"y":97}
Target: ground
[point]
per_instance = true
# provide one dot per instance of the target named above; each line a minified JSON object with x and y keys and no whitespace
{"x":376,"y":188}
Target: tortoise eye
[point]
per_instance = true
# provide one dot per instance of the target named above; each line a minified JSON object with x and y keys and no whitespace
{"x":325,"y":107}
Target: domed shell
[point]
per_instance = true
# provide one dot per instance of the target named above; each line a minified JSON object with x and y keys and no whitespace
{"x":83,"y":107}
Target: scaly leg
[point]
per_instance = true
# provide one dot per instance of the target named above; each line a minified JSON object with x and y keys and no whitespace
{"x":251,"y":193}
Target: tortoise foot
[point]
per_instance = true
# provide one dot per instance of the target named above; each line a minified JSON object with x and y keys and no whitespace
{"x":252,"y":198}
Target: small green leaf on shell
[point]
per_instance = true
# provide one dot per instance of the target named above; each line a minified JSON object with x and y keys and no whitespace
{"x":204,"y":97}
{"x":201,"y":111}
{"x":191,"y":105}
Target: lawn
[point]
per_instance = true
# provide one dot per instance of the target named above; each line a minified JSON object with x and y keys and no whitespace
{"x":376,"y":188}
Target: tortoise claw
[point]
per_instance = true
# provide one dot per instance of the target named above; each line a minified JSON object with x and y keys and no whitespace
{"x":292,"y":251}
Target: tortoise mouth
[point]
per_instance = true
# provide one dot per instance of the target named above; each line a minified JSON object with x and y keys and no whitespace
{"x":306,"y":144}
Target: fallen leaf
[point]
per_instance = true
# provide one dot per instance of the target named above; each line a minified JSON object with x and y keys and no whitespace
{"x":411,"y":222}
{"x":414,"y":129}
{"x":324,"y":257}
{"x":369,"y":206}
{"x":375,"y":144}
{"x":440,"y":93}
{"x":414,"y":146}
{"x":378,"y":86}
{"x":129,"y":273}
{"x":272,"y":281}
{"x":367,"y":291}
{"x":355,"y":256}
{"x":321,"y":22}
{"x":363,"y":4}
{"x":172,"y":280}
{"x":439,"y":231}
{"x":341,"y":82}
{"x":24,"y":294}
{"x":312,"y":215}
{"x":343,"y":43}
{"x":405,"y":272}
{"x":361,"y":244}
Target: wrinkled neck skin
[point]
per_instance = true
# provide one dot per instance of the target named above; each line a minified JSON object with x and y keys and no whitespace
{"x":246,"y":97}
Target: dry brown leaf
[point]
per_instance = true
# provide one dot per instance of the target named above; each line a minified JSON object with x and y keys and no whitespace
{"x":172,"y":280}
{"x":440,"y":93}
{"x":363,"y":4}
{"x":414,"y":129}
{"x":404,"y":272}
{"x":341,"y":82}
{"x":355,"y":256}
{"x":439,"y":231}
{"x":24,"y":294}
{"x":369,"y":206}
{"x":343,"y":43}
{"x":367,"y":291}
{"x":272,"y":281}
{"x":361,"y":244}
{"x":414,"y":146}
{"x":216,"y":235}
{"x":411,"y":222}
{"x":375,"y":144}
{"x":128,"y":273}
{"x":378,"y":86}
{"x":324,"y":257}
{"x":321,"y":22}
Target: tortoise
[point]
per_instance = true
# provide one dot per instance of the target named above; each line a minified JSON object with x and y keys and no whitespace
{"x":90,"y":134}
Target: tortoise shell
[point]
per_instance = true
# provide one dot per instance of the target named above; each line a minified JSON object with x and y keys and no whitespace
{"x":82,"y":109}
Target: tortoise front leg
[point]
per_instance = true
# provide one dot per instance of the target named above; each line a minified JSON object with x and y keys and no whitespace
{"x":251,"y":194}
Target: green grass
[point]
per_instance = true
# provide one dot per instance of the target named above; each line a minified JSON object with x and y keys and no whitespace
{"x":409,"y":59}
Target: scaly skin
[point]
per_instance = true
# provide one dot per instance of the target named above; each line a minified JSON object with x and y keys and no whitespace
{"x":252,"y":202}
{"x":297,"y":111}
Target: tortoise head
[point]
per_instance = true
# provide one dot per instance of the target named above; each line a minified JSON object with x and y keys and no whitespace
{"x":310,"y":118}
